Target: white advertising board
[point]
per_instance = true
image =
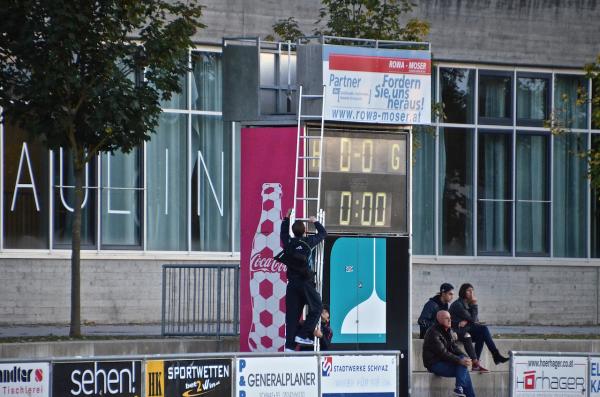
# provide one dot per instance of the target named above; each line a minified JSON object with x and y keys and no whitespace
{"x":549,"y":376}
{"x":594,"y":376}
{"x":277,"y":377}
{"x":24,"y":379}
{"x":374,"y":85}
{"x":361,"y":376}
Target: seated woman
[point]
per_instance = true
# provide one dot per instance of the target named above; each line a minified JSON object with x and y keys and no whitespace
{"x":465,"y":322}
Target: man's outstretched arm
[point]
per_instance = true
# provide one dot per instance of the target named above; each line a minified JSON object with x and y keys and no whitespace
{"x":321,"y":233}
{"x":284,"y":233}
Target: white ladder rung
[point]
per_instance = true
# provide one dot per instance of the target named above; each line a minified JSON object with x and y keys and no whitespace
{"x":312,"y":96}
{"x":310,"y":157}
{"x":310,"y":137}
{"x":307,"y":198}
{"x":308,"y":178}
{"x":311,"y":116}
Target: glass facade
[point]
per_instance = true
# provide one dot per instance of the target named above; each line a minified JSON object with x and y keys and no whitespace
{"x":489,"y":179}
{"x":504,"y":185}
{"x":174,"y":193}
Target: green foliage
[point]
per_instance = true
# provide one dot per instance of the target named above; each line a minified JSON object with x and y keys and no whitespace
{"x":592,"y":71}
{"x":72,"y":77}
{"x":286,"y":30}
{"x":370,"y":19}
{"x":560,"y":124}
{"x":365,"y":19}
{"x":67,"y":68}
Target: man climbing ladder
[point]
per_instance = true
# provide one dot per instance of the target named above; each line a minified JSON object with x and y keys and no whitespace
{"x":300,"y":289}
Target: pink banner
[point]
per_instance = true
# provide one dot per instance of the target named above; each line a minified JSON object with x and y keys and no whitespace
{"x":267,"y":191}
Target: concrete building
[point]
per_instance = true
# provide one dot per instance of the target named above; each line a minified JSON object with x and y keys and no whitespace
{"x":498,"y":201}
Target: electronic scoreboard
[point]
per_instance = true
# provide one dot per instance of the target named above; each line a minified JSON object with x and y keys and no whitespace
{"x":363,"y":180}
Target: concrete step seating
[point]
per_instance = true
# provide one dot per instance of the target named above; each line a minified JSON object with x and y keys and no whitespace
{"x":495,"y":383}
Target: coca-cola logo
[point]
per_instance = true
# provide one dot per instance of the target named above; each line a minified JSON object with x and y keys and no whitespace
{"x":260,"y":264}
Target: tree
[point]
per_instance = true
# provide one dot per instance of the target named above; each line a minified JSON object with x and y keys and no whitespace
{"x":365,"y":19}
{"x":72,"y":76}
{"x":592,"y":71}
{"x":371,"y":19}
{"x":560,"y":122}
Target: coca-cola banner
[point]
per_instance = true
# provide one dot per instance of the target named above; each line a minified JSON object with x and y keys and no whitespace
{"x":267,"y":192}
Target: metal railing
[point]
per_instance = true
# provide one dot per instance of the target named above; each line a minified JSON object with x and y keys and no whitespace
{"x":200,"y":300}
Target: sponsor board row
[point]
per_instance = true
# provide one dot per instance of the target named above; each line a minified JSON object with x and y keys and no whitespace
{"x":555,"y":376}
{"x":301,"y":376}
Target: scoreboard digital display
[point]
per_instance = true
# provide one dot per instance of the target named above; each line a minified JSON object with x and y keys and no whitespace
{"x":363,"y":180}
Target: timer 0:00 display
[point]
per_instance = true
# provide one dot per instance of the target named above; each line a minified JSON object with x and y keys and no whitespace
{"x":358,"y":208}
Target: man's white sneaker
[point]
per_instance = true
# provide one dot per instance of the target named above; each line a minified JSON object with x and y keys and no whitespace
{"x":289,"y":350}
{"x":304,"y":341}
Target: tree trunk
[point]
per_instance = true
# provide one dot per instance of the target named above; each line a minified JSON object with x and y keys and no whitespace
{"x":79,"y":168}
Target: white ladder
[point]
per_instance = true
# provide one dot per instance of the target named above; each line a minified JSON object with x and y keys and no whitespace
{"x":304,"y":143}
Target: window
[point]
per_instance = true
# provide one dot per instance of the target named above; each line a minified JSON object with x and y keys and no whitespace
{"x":206,"y":81}
{"x":457,"y":89}
{"x":277,"y":80}
{"x":121,"y":220}
{"x":64,"y":199}
{"x":533,"y":98}
{"x":167,"y":184}
{"x":456,"y":191}
{"x":569,"y":199}
{"x":570,"y":108}
{"x":595,"y":210}
{"x":595,"y":107}
{"x":178,"y":100}
{"x":423,"y":193}
{"x":495,"y":97}
{"x":532,"y":192}
{"x":494,"y":193}
{"x":210,"y":181}
{"x":26,"y":191}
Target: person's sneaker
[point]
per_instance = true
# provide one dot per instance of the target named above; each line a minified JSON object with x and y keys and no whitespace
{"x":458,"y":392}
{"x":287,"y":350}
{"x":480,"y":369}
{"x":304,"y":341}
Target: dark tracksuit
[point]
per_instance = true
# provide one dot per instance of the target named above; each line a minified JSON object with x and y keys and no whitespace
{"x":300,"y":289}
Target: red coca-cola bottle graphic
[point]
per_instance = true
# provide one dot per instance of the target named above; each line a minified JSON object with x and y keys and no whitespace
{"x":267,"y":276}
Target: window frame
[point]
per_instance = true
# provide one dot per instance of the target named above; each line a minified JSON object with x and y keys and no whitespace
{"x":523,"y":122}
{"x":490,"y":121}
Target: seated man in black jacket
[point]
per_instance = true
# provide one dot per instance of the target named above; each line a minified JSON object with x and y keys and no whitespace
{"x":465,"y":320}
{"x":434,"y":304}
{"x":442,"y":357}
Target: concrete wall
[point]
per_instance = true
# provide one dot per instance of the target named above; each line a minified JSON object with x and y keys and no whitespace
{"x":517,"y":294}
{"x":540,"y":32}
{"x":112,"y":291}
{"x":129,"y":291}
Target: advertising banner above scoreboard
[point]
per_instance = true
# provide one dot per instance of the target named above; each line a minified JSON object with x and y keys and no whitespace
{"x":379,"y":86}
